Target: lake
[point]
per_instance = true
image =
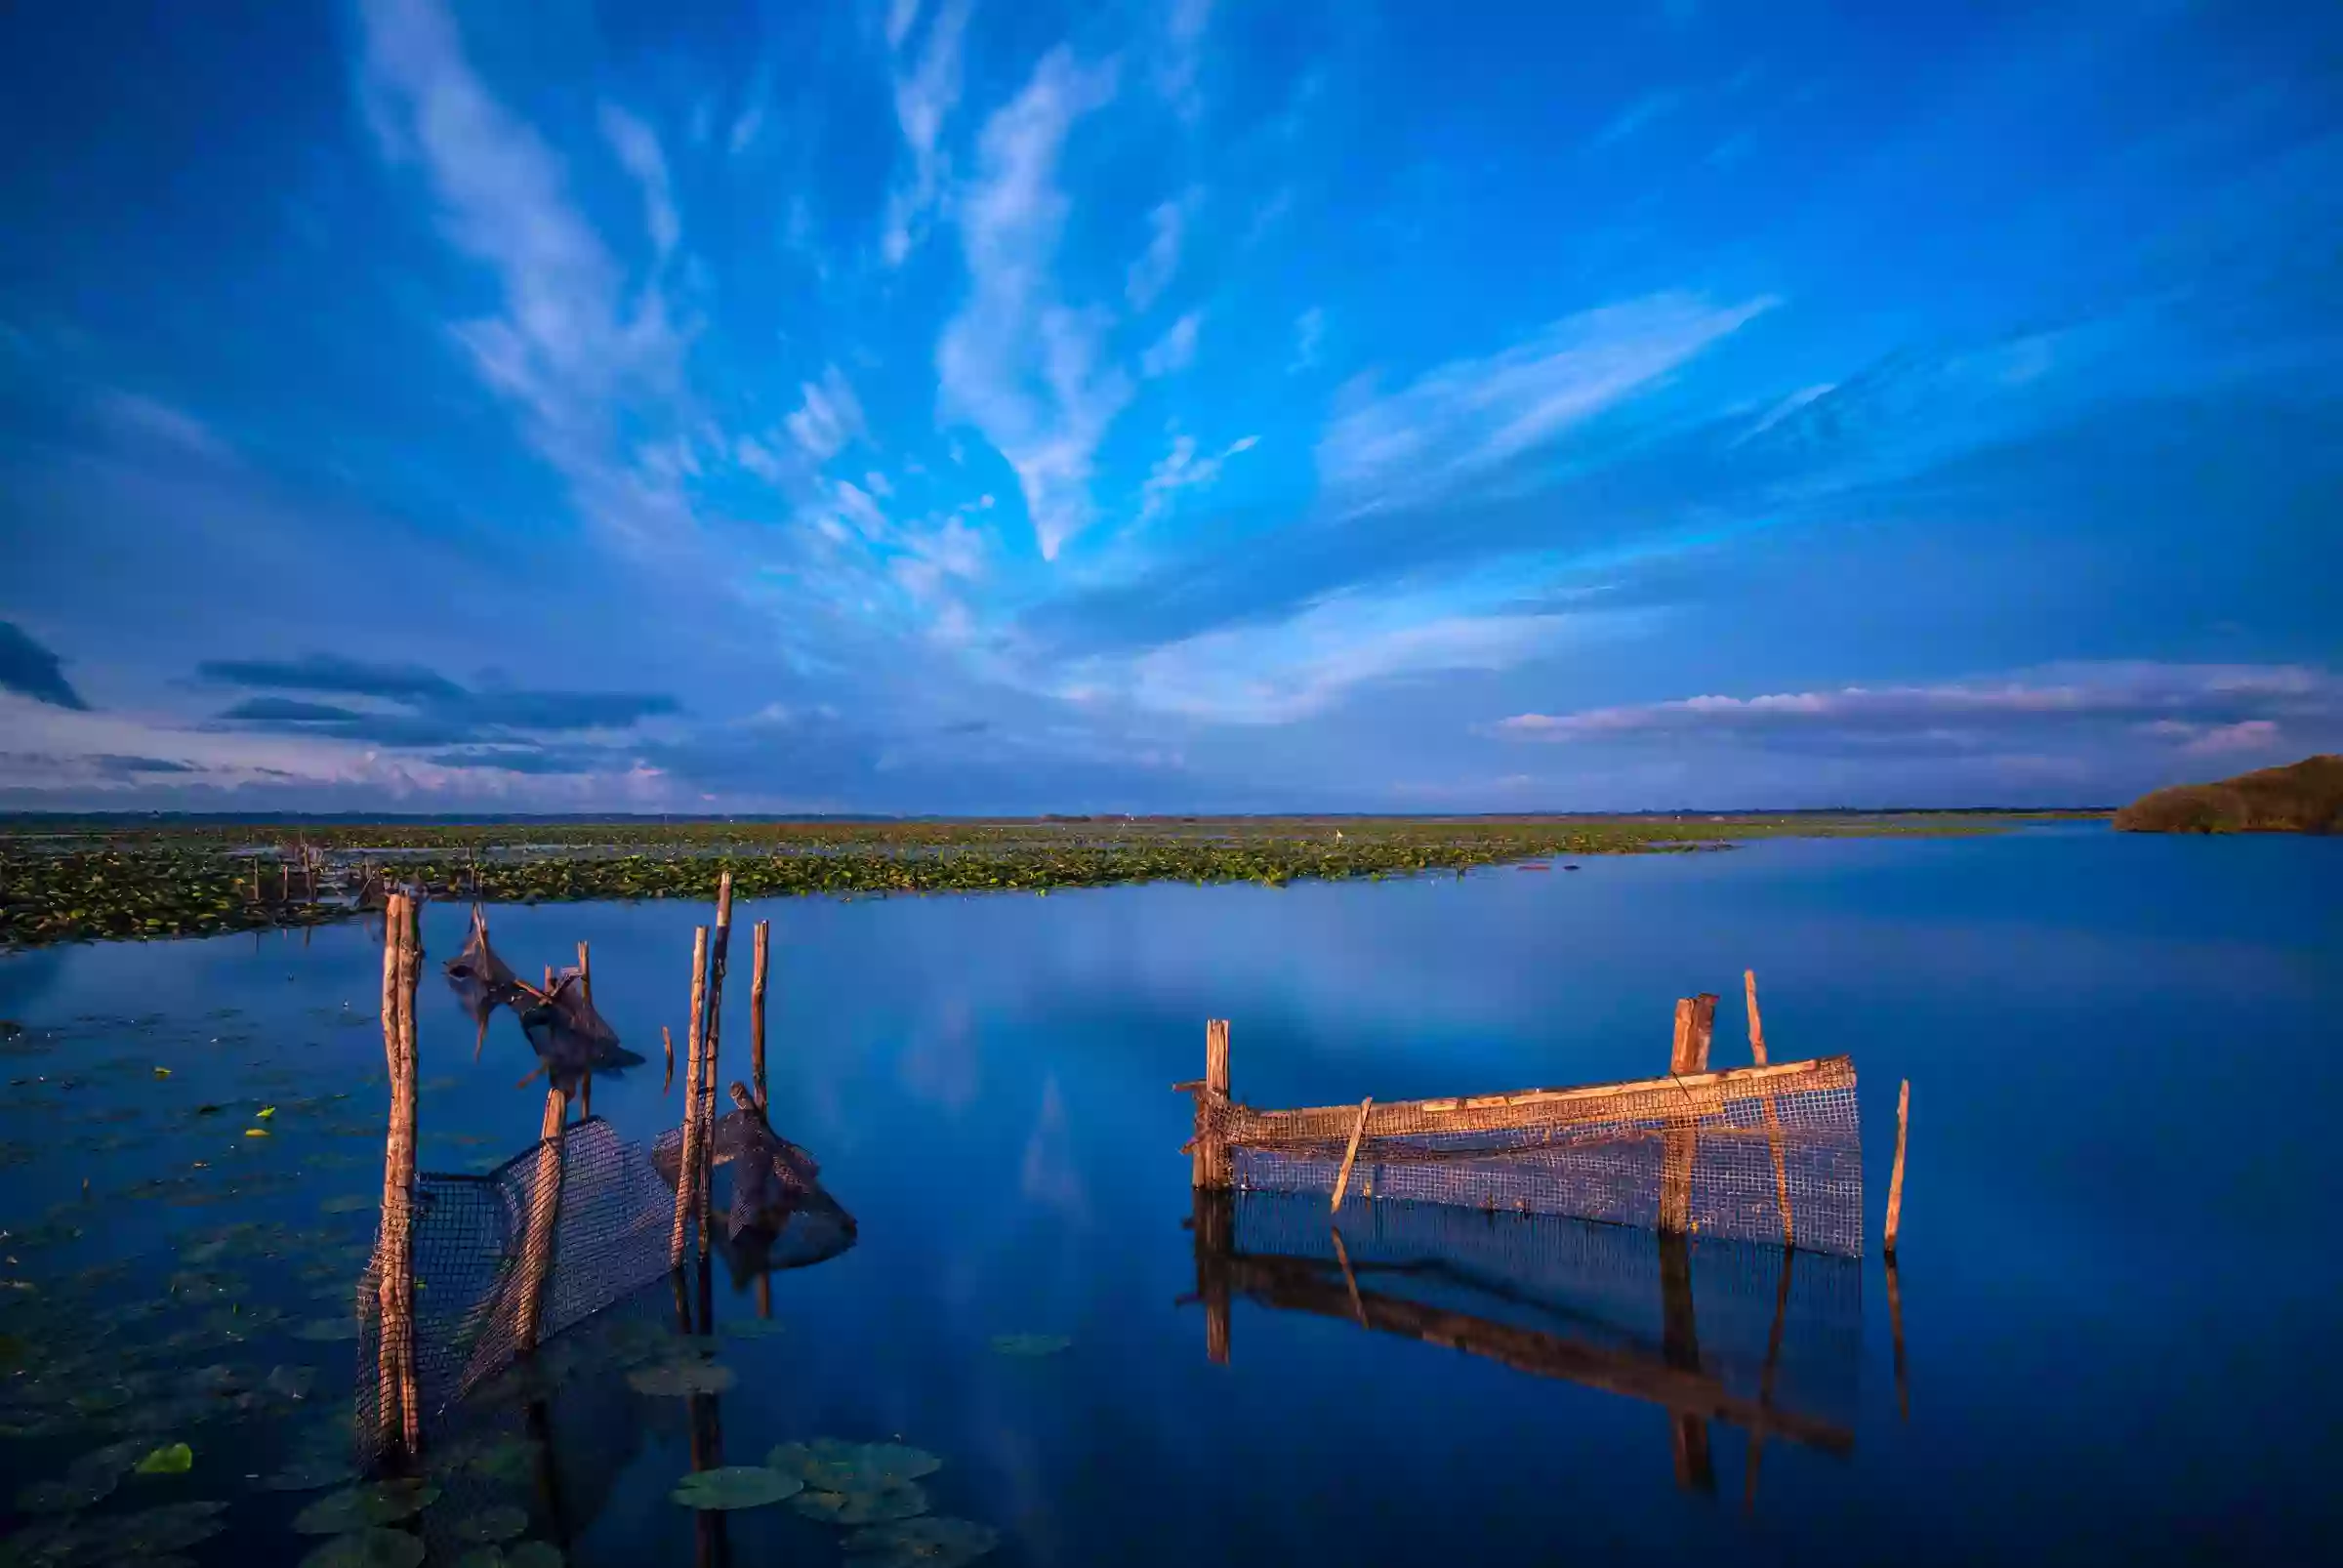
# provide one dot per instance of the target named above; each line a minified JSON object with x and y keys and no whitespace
{"x":2115,"y":1308}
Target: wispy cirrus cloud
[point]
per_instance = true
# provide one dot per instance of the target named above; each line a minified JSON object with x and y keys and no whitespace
{"x":637,"y":150}
{"x":1018,"y":362}
{"x":1183,"y":469}
{"x":925,"y":95}
{"x":1152,"y":273}
{"x":2205,"y":709}
{"x":1471,"y":416}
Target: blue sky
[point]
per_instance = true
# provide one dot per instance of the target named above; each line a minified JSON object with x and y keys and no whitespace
{"x":943,"y":405}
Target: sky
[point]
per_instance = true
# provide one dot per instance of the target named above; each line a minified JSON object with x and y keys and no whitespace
{"x":958,"y":407}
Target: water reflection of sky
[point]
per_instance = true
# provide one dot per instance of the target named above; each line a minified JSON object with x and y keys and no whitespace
{"x":2106,"y":1036}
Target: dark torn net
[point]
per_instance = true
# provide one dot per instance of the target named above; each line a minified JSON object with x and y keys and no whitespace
{"x":777,"y":1216}
{"x":1733,"y":1328}
{"x":569,"y":1226}
{"x":1729,"y":1152}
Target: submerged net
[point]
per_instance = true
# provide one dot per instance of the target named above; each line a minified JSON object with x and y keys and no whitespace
{"x":510,"y":1258}
{"x":1767,"y":1338}
{"x":505,"y":1262}
{"x":1770,"y":1154}
{"x":571,"y":1038}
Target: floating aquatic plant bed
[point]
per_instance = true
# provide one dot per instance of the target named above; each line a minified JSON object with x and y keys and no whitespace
{"x":77,"y":881}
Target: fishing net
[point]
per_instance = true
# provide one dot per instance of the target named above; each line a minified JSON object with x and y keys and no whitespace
{"x":1766,"y":1337}
{"x":777,"y":1215}
{"x":571,"y":1038}
{"x":481,"y":980}
{"x":1768,"y":1154}
{"x":506,"y":1260}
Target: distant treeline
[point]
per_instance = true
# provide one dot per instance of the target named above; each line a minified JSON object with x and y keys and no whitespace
{"x":57,"y":821}
{"x":2305,"y":797}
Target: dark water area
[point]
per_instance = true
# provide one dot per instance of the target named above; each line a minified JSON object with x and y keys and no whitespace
{"x":2115,"y":1288}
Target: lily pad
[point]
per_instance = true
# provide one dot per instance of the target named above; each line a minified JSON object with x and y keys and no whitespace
{"x":930,"y":1543}
{"x":292,"y":1383}
{"x":524,"y":1554}
{"x":499,"y":1523}
{"x":1030,"y":1345}
{"x":68,"y":1496}
{"x":357,"y":1507}
{"x":676,"y":1379}
{"x":735,"y":1486}
{"x":310,"y":1474}
{"x":153,"y":1531}
{"x":828,"y":1465}
{"x":176,"y":1459}
{"x":372,"y":1548}
{"x":903,"y":1500}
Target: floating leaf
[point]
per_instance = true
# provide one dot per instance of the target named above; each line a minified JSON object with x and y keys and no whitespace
{"x":524,"y":1554}
{"x":678,"y":1379}
{"x":930,"y":1543}
{"x":256,"y":1131}
{"x":902,"y":1500}
{"x":177,"y":1459}
{"x":828,"y":1465}
{"x":371,"y":1547}
{"x":156,"y":1531}
{"x":1030,"y":1345}
{"x":162,"y":1072}
{"x":310,"y":1474}
{"x":500,"y":1523}
{"x":357,"y":1507}
{"x":64,"y":1497}
{"x":735,"y":1486}
{"x":293,"y":1382}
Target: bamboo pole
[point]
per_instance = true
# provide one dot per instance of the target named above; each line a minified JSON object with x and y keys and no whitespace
{"x":1773,"y":1120}
{"x":765,"y":932}
{"x":1680,"y":1347}
{"x":1212,"y":1215}
{"x":1350,"y":1280}
{"x":1343,"y":1177}
{"x":668,"y":1040}
{"x":1765,"y":1382}
{"x":1895,"y":1328}
{"x":711,"y":1048}
{"x":586,"y":995}
{"x":1210,"y":1166}
{"x":1895,"y":1175}
{"x":688,"y":1157}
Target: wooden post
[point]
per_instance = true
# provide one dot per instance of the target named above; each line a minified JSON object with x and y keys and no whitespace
{"x":668,"y":1040}
{"x":688,"y":1157}
{"x":1765,"y":1380}
{"x":1211,"y":1166}
{"x":545,"y":1214}
{"x":396,"y":1394}
{"x":1343,"y":1177}
{"x":1895,"y":1328}
{"x":717,"y":950}
{"x":765,"y":932}
{"x":586,"y":995}
{"x":1696,"y":1024}
{"x":1773,"y":1123}
{"x":1895,"y":1175}
{"x":1680,"y":1345}
{"x":1214,"y":1221}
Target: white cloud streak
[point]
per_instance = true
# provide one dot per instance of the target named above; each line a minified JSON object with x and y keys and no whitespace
{"x":638,"y":151}
{"x":1174,"y":351}
{"x":1183,"y":469}
{"x":1469,"y":416}
{"x":1153,"y":272}
{"x":925,"y":98}
{"x":1017,"y":362}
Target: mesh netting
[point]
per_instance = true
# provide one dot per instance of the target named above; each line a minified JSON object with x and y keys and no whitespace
{"x":1760,"y":1154}
{"x":1765,"y":1337}
{"x":508,"y":1260}
{"x":481,"y":980}
{"x":776,"y":1213}
{"x":571,"y":1038}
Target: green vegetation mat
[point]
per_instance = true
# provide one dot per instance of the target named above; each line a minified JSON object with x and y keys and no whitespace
{"x":68,"y":880}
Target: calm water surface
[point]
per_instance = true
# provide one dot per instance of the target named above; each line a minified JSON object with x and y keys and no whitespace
{"x":2117,"y":1283}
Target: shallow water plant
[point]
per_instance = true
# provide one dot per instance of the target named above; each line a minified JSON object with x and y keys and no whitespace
{"x":356,"y":1508}
{"x":902,"y":1500}
{"x":926,"y":1543}
{"x":735,"y":1486}
{"x":832,"y":1465}
{"x":370,"y":1547}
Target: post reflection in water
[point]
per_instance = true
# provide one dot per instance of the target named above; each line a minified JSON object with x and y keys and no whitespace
{"x":1756,"y":1337}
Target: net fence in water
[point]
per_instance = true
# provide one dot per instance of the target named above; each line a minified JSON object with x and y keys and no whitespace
{"x":1765,"y":1154}
{"x":508,"y":1260}
{"x":1754,"y":1335}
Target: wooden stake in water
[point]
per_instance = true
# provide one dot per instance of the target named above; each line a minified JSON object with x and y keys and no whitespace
{"x":1773,"y":1117}
{"x":688,"y":1157}
{"x":712,"y":1047}
{"x":1350,"y":1154}
{"x":397,"y":1399}
{"x":765,"y":932}
{"x":544,"y":1216}
{"x":1895,"y":1175}
{"x":1679,"y":1147}
{"x":586,"y":995}
{"x":1210,"y":1166}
